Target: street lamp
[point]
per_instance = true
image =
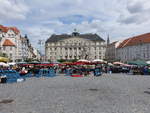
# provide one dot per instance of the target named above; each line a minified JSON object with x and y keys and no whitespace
{"x":41,"y":44}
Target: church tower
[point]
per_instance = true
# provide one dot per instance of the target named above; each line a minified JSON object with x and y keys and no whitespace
{"x":108,"y":40}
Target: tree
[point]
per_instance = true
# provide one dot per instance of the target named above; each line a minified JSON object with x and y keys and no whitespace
{"x":49,"y":60}
{"x":3,"y":55}
{"x":29,"y":60}
{"x":61,"y":60}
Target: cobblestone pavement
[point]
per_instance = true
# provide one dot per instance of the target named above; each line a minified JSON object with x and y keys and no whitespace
{"x":106,"y":94}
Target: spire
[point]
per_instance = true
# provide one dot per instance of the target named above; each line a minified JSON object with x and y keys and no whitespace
{"x":26,"y":36}
{"x":108,"y":40}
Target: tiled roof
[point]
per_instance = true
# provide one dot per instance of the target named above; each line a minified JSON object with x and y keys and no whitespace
{"x":92,"y":37}
{"x":140,"y":39}
{"x":123,"y":44}
{"x":16,"y":30}
{"x":7,"y":42}
{"x":5,"y":29}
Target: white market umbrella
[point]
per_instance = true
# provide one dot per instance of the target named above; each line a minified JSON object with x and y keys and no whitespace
{"x":98,"y":60}
{"x":148,"y":62}
{"x":118,"y":63}
{"x":3,"y":64}
{"x":83,"y":60}
{"x":110,"y":64}
{"x":12,"y":63}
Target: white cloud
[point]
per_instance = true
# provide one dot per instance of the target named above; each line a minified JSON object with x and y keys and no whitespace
{"x":119,"y":18}
{"x":136,"y":12}
{"x":55,"y":23}
{"x":37,"y":33}
{"x":12,"y":9}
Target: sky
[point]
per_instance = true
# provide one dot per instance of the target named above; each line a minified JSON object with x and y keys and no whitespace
{"x":39,"y":19}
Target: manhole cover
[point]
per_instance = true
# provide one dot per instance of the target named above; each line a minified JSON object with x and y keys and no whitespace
{"x":6,"y":101}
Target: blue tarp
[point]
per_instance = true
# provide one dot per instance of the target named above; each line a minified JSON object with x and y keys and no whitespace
{"x":97,"y":72}
{"x":41,"y":73}
{"x":12,"y":75}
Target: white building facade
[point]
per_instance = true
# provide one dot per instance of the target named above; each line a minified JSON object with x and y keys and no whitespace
{"x":13,"y":44}
{"x":136,"y":48}
{"x":75,"y":46}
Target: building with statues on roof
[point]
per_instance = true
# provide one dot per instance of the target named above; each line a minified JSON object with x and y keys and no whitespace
{"x":75,"y":46}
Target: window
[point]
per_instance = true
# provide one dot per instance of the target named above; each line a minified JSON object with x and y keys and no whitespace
{"x":144,"y":55}
{"x":4,"y":48}
{"x":95,"y":48}
{"x":66,"y":57}
{"x":10,"y":48}
{"x":10,"y":55}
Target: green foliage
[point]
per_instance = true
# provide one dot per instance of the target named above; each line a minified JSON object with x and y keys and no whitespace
{"x":3,"y":55}
{"x":49,"y":60}
{"x":29,"y":60}
{"x":74,"y":60}
{"x":18,"y":60}
{"x":61,"y":60}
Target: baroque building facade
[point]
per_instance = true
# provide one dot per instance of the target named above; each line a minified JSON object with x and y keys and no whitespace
{"x":75,"y":46}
